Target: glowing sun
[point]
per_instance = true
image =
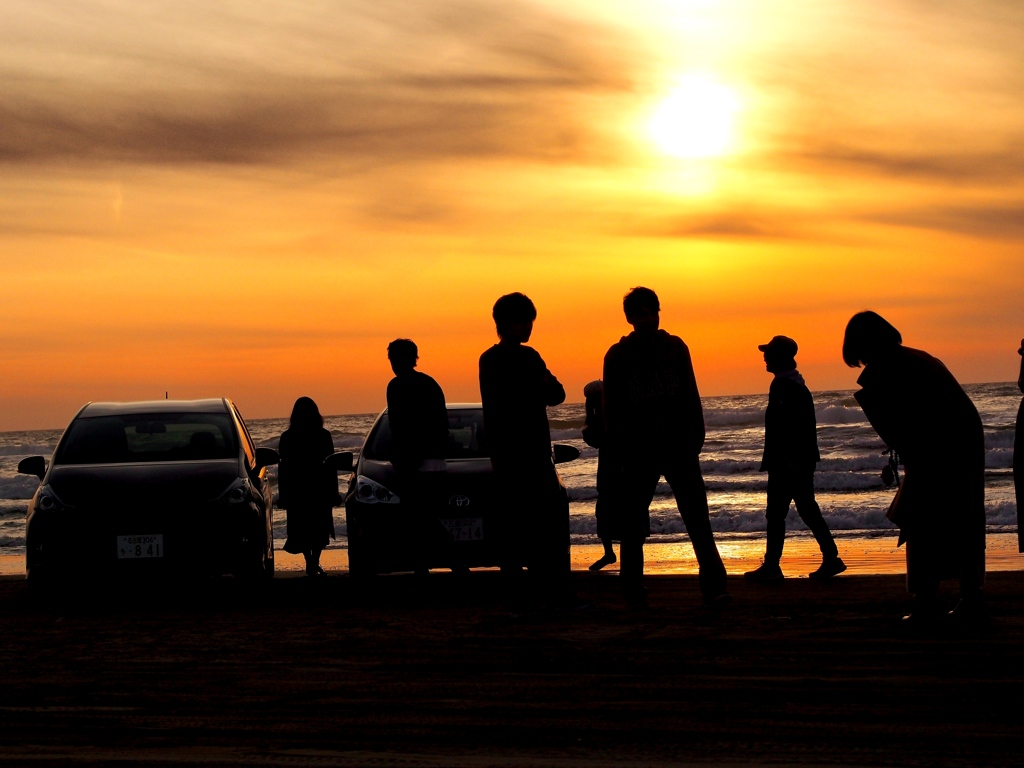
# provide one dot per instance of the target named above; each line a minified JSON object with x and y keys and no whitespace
{"x":696,"y":120}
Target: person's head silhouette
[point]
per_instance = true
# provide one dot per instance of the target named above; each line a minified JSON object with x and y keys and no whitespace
{"x":869,"y":337}
{"x":779,"y":354}
{"x":513,"y":315}
{"x":403,"y":355}
{"x":642,"y":310}
{"x":305,"y":415}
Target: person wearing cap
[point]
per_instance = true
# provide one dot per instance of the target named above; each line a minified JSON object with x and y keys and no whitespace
{"x":1018,"y":459}
{"x":790,"y":456}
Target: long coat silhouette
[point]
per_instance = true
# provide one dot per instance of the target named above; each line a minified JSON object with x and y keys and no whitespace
{"x":308,"y":491}
{"x":918,"y":408}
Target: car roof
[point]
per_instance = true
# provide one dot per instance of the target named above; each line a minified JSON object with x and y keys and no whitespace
{"x":210,"y":405}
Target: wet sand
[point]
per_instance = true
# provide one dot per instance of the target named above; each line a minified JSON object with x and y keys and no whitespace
{"x":438,"y":672}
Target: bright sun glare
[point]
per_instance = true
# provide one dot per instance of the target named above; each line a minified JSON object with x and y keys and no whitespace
{"x":696,"y":120}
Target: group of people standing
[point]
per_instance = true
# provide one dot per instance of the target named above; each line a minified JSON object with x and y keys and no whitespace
{"x":646,"y":418}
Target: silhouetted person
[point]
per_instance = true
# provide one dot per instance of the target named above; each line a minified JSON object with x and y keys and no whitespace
{"x":1018,"y":459}
{"x":920,"y":411}
{"x":790,"y":458}
{"x":609,"y":472}
{"x":516,"y":388}
{"x":656,"y":423}
{"x":418,"y":416}
{"x":417,"y":413}
{"x":307,"y":490}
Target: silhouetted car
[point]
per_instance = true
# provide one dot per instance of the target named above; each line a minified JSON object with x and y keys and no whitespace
{"x":453,"y":522}
{"x":151,"y":488}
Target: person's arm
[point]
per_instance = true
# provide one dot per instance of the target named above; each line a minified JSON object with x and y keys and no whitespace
{"x":554,"y":392}
{"x":613,"y":398}
{"x":694,"y":407}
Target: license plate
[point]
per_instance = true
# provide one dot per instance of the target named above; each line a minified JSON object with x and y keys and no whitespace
{"x":465,"y":528}
{"x":137,"y":547}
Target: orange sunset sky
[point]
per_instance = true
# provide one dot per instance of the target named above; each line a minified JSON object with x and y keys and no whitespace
{"x":252,"y":198}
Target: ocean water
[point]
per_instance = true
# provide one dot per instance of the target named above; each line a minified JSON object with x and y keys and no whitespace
{"x":848,"y":482}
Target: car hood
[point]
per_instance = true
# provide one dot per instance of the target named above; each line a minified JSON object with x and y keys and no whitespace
{"x":165,"y":483}
{"x":383,"y":471}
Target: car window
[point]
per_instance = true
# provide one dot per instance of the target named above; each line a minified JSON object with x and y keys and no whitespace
{"x":466,"y":438}
{"x":148,"y":437}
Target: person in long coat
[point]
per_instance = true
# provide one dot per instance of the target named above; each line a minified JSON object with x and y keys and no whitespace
{"x":920,"y":410}
{"x":1018,"y":459}
{"x":307,"y":490}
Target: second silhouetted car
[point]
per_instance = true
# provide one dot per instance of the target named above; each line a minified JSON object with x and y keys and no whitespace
{"x":453,"y":522}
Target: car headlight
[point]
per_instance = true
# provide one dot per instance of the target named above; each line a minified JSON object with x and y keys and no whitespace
{"x":371,"y":492}
{"x":237,"y":493}
{"x":48,"y":501}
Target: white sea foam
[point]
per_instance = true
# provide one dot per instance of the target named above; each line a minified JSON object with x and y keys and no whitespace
{"x":18,"y":487}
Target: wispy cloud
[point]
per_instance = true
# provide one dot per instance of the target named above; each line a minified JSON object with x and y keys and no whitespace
{"x":997,"y":222}
{"x":356,"y":83}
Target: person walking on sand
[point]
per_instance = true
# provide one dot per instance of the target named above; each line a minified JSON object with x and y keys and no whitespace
{"x":418,"y":417}
{"x":920,"y":411}
{"x":790,"y":456}
{"x":609,"y":473}
{"x":655,"y":422}
{"x":516,"y":389}
{"x":307,"y":490}
{"x":1018,"y":449}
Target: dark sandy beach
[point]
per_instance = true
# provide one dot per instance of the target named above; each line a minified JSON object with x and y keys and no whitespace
{"x":333,"y":672}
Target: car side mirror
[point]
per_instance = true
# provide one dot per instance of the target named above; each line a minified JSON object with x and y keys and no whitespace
{"x":33,"y":465}
{"x":339,"y":462}
{"x":564,"y":453}
{"x":266,"y":457}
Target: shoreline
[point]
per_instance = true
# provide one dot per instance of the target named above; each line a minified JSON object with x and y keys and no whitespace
{"x":863,"y":555}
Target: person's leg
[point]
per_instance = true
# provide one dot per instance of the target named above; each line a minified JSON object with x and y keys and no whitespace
{"x":687,"y":483}
{"x":776,"y":509}
{"x":809,"y":511}
{"x":923,"y":577}
{"x":605,"y":508}
{"x":635,"y":524}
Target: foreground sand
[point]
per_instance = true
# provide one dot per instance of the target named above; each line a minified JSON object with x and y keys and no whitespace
{"x":439,"y":673}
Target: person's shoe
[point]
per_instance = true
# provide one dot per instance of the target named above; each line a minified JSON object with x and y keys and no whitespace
{"x":607,"y":559}
{"x":969,"y":613}
{"x":828,"y":568}
{"x":719,"y":601}
{"x":766,"y":572}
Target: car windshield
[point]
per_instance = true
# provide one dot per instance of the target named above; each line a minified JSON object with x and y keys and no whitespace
{"x":465,"y":436}
{"x":149,"y":437}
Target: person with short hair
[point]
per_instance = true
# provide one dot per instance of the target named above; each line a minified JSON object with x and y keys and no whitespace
{"x":516,"y":389}
{"x":418,"y":418}
{"x":790,"y":457}
{"x":417,"y":412}
{"x":920,"y":410}
{"x":655,"y":422}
